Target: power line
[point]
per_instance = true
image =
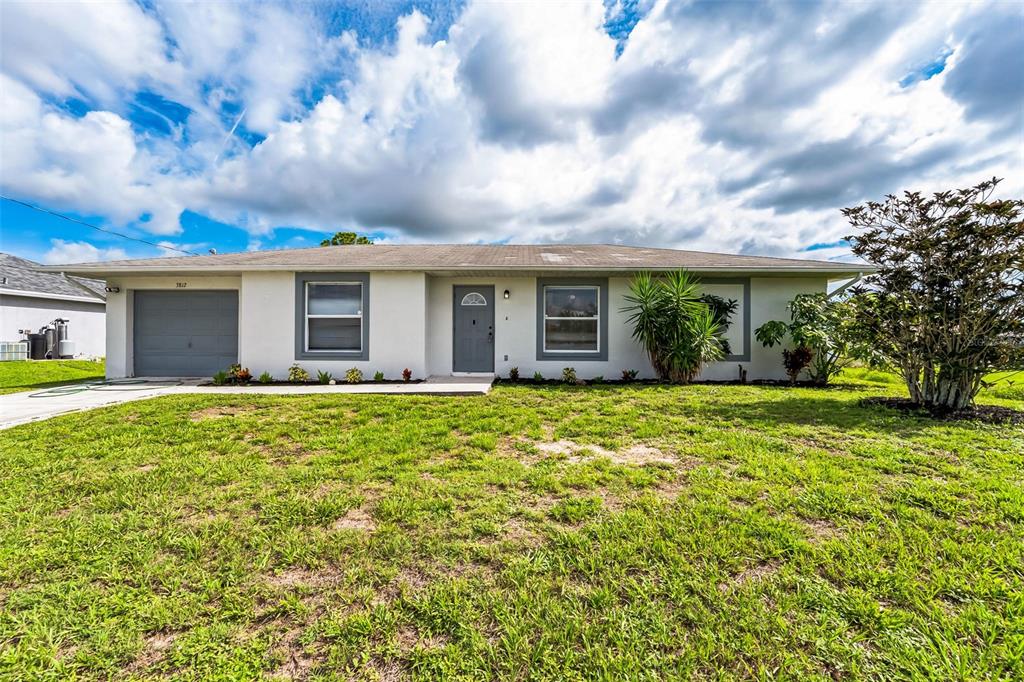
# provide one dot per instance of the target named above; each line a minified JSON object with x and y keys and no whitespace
{"x":95,"y":227}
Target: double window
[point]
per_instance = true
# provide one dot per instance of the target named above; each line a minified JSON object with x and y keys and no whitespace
{"x":572,"y":320}
{"x":331,"y":316}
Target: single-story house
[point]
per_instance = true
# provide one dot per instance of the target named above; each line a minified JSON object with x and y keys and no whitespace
{"x":434,"y":309}
{"x":31,"y":299}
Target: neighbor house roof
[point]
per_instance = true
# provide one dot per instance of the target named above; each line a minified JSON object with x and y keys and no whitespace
{"x":467,"y":257}
{"x":22,"y":277}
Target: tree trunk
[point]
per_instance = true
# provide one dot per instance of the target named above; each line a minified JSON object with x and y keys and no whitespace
{"x":912,"y":378}
{"x":952,"y":390}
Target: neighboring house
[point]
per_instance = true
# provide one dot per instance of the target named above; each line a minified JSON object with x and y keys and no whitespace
{"x":31,"y":298}
{"x":435,"y":309}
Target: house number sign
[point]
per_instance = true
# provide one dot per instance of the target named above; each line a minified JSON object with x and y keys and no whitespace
{"x":181,"y":285}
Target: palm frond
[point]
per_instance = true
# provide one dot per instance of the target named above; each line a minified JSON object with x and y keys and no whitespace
{"x":677,"y":329}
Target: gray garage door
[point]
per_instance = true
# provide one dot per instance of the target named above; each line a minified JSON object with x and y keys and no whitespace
{"x":185,"y":333}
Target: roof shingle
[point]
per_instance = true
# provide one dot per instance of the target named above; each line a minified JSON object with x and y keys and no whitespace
{"x":457,"y":257}
{"x":20,"y":274}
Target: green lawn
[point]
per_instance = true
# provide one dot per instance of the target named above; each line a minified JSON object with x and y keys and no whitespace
{"x":1006,"y":385}
{"x":536,"y":533}
{"x":34,"y":374}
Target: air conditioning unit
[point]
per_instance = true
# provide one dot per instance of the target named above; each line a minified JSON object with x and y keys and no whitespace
{"x":13,"y":350}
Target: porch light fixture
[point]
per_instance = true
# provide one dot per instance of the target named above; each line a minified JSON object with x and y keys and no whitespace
{"x":506,"y":294}
{"x":112,"y":290}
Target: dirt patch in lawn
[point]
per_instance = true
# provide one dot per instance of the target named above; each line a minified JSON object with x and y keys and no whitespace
{"x":516,"y":530}
{"x":750,"y":575}
{"x":297,"y":661}
{"x":221,"y":411}
{"x":354,"y":519}
{"x":409,"y":637}
{"x":541,"y":504}
{"x":821,"y":530}
{"x":156,"y":645}
{"x":638,"y":455}
{"x":296,"y":577}
{"x":669,"y":491}
{"x":285,"y":452}
{"x":389,"y":670}
{"x":409,"y":579}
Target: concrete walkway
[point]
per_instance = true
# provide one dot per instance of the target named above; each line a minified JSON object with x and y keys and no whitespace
{"x":30,"y":406}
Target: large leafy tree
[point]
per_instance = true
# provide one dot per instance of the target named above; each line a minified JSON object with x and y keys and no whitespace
{"x":346,"y":239}
{"x":680,"y":332}
{"x":825,"y":327}
{"x":946,"y":305}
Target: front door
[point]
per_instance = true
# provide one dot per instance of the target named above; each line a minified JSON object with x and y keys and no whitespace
{"x":473,"y":334}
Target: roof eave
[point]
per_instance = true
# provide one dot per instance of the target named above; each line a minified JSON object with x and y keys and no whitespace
{"x":55,"y":297}
{"x":852,"y":269}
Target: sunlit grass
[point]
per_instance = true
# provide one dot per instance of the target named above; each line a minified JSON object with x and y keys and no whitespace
{"x":544,"y":533}
{"x":26,"y":375}
{"x":999,"y":386}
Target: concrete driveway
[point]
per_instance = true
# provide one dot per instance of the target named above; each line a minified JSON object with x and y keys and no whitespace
{"x":30,"y":406}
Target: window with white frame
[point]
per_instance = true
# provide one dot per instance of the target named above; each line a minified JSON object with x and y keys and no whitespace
{"x":334,"y":317}
{"x":572,"y":316}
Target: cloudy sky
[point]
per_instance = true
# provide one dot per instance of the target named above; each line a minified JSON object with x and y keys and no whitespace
{"x":724,"y":126}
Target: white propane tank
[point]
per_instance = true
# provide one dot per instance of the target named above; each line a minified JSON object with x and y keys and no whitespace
{"x":67,"y":349}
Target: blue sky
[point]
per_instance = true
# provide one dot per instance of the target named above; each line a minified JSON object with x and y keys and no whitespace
{"x":725,"y":126}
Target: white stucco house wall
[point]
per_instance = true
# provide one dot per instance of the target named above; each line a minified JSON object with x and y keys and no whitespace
{"x":435,"y":309}
{"x":31,"y":298}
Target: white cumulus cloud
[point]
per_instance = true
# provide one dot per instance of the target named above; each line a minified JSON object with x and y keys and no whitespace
{"x":720,"y":126}
{"x":79,"y":252}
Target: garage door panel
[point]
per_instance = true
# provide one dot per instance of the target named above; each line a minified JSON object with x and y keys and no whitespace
{"x":161,"y":343}
{"x":216,"y":326}
{"x":185,"y":333}
{"x":167,"y":323}
{"x":210,"y":345}
{"x":168,"y":365}
{"x":200,"y":327}
{"x":169,"y":301}
{"x":208,"y":306}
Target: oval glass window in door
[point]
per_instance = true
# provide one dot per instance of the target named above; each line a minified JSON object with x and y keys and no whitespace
{"x":474,"y":298}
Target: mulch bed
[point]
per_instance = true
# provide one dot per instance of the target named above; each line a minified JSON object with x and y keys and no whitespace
{"x":990,"y":414}
{"x":782,"y":383}
{"x":337,"y":382}
{"x":785,"y":383}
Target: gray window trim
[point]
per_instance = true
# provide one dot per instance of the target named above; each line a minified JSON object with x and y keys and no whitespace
{"x":602,"y":323}
{"x":745,"y":281}
{"x":304,"y":278}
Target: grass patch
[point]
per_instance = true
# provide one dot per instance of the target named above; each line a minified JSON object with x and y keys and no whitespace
{"x":1008,"y":385}
{"x":29,"y":375}
{"x":1000,"y":386}
{"x":672,"y":532}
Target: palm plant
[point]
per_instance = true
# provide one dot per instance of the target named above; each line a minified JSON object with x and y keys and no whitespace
{"x":679,"y":332}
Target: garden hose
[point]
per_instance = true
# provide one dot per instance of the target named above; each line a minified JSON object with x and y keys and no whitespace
{"x":105,"y":385}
